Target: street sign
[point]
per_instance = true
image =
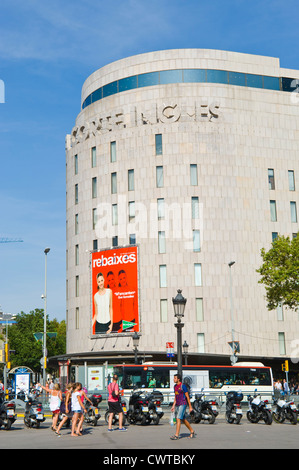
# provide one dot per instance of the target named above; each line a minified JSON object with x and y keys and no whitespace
{"x":170,"y":349}
{"x":235,"y":345}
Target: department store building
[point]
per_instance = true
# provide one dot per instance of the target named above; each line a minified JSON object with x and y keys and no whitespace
{"x":193,"y":156}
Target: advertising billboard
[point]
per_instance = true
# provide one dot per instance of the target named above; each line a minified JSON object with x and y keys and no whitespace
{"x":115,"y":291}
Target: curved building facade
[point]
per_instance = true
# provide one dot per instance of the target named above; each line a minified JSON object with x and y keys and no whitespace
{"x":192,"y":155}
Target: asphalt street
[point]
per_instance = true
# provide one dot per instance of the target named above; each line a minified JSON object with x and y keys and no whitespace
{"x":219,"y":435}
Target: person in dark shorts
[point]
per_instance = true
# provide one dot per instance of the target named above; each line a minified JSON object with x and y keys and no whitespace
{"x":114,"y":404}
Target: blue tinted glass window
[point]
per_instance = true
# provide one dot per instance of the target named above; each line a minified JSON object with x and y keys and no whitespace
{"x":236,"y":78}
{"x":128,"y":83}
{"x":171,"y":76}
{"x":148,"y":79}
{"x":254,"y":81}
{"x":217,"y":76}
{"x":109,"y":89}
{"x":271,"y":83}
{"x":289,"y":84}
{"x":87,"y":101}
{"x":195,"y":75}
{"x":97,"y":95}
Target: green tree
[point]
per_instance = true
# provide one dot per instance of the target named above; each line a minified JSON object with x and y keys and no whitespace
{"x":280,"y":272}
{"x":28,"y":351}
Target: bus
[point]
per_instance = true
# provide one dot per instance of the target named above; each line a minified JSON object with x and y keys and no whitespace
{"x":248,"y":377}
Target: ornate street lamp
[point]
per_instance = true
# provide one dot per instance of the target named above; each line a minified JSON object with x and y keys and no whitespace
{"x":179,"y":303}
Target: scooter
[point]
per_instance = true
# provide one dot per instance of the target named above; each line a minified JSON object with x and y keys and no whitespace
{"x":7,"y":413}
{"x":34,"y":413}
{"x":234,"y":411}
{"x":285,"y":410}
{"x":155,"y":413}
{"x":203,"y":409}
{"x":92,"y":414}
{"x":138,"y":408}
{"x":258,"y":410}
{"x":115,"y":418}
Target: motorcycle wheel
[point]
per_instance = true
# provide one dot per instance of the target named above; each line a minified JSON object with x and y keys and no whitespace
{"x":7,"y":425}
{"x":107,"y":418}
{"x":211,"y":418}
{"x":293,"y":417}
{"x":251,"y":418}
{"x":228,"y":418}
{"x":143,"y":420}
{"x":156,"y":419}
{"x":94,"y":418}
{"x":278,"y":417}
{"x":267,"y":417}
{"x":27,"y":423}
{"x":238,"y":419}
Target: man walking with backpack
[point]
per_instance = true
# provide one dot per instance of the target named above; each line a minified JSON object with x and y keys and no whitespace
{"x":181,"y":399}
{"x":114,"y":404}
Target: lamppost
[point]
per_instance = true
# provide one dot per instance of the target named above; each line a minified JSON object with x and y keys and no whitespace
{"x":135,"y":338}
{"x":185,"y":349}
{"x":44,"y":296}
{"x":179,"y":303}
{"x":233,"y":357}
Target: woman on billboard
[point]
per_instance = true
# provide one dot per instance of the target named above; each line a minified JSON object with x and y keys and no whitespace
{"x":103,"y":311}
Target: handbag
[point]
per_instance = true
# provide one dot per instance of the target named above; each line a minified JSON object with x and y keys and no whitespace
{"x":114,"y":395}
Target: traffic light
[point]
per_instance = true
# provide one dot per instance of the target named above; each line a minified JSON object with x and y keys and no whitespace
{"x":285,"y":366}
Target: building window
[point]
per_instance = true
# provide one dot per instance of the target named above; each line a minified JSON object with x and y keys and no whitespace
{"x":77,"y":318}
{"x":131,"y":182}
{"x":293,"y":211}
{"x":113,"y":183}
{"x":279,"y":311}
{"x":162,"y":275}
{"x":159,"y":177}
{"x":94,"y":218}
{"x":77,"y":286}
{"x":95,"y":245}
{"x":131,"y":211}
{"x":291,"y":180}
{"x":76,"y":164}
{"x":161,"y":242}
{"x":195,"y":207}
{"x":132,"y":239}
{"x":93,"y":157}
{"x":76,"y":224}
{"x":274,"y":236}
{"x":273,"y":211}
{"x":76,"y":255}
{"x":281,"y":344}
{"x":163,"y":310}
{"x":197,"y":274}
{"x":158,"y":144}
{"x":161,"y":208}
{"x":76,"y":194}
{"x":193,"y":175}
{"x":271,"y":178}
{"x":115,"y":241}
{"x":199,"y":309}
{"x":114,"y":214}
{"x":113,"y":152}
{"x":94,"y":187}
{"x":200,"y":342}
{"x":196,"y":240}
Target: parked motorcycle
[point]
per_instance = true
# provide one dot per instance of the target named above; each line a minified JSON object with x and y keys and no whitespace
{"x":234,"y":411}
{"x":92,"y":414}
{"x":203,"y":409}
{"x":284,"y":410}
{"x":115,"y":418}
{"x":155,"y":413}
{"x":258,"y":410}
{"x":138,"y":408}
{"x":7,"y":413}
{"x":34,"y":413}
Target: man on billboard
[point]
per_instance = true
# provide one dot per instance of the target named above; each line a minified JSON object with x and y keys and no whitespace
{"x":115,"y":291}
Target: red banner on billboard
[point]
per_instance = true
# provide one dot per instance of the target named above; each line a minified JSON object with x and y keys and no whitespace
{"x":115,"y":291}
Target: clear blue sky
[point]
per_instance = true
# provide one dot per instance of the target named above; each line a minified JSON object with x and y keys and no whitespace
{"x":47,"y":50}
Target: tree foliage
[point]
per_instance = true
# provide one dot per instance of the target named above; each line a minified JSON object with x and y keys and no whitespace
{"x":280,"y":273}
{"x":28,"y":351}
